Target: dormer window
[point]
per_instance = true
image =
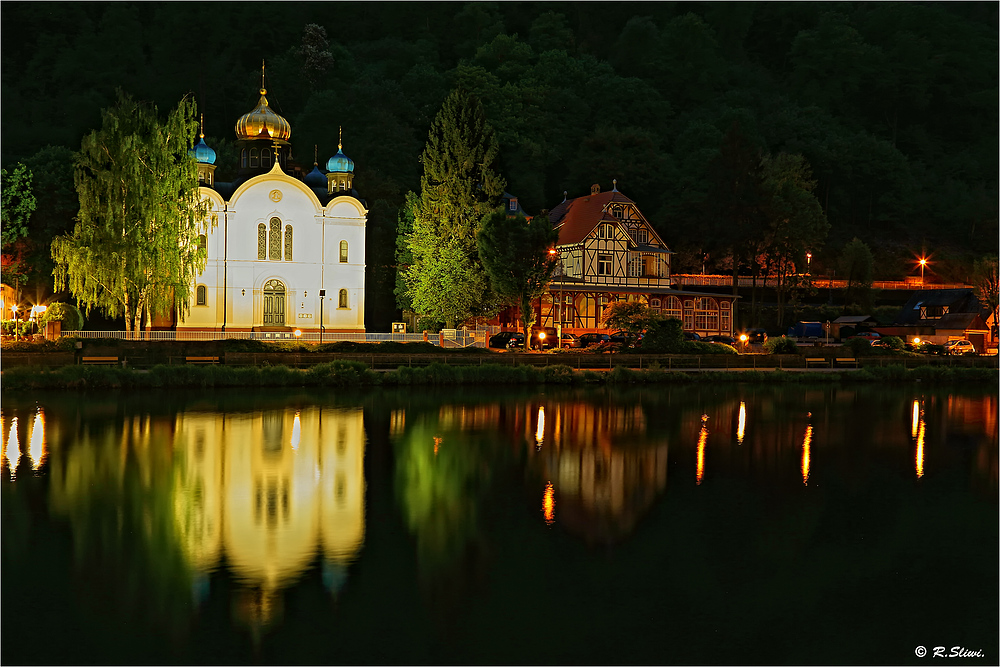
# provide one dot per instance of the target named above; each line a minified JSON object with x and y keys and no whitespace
{"x":513,"y":203}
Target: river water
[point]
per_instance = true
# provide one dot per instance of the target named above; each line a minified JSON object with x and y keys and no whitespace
{"x":735,"y":524}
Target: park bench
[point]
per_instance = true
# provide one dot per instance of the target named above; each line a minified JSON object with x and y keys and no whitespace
{"x":820,"y":361}
{"x":847,"y":360}
{"x":100,"y":361}
{"x":201,"y":360}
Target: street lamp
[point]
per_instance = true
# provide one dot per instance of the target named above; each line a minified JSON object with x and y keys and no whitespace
{"x":552,"y":251}
{"x":923,"y":263}
{"x":809,"y":259}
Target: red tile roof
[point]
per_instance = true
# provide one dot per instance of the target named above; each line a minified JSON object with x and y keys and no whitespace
{"x":576,"y":218}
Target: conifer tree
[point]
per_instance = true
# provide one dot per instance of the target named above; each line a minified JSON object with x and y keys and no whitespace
{"x":459,"y":187}
{"x":134,"y":250}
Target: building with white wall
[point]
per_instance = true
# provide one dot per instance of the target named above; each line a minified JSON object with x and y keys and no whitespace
{"x":286,"y":251}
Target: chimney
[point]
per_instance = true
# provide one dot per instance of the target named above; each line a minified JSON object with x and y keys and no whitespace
{"x":595,"y":189}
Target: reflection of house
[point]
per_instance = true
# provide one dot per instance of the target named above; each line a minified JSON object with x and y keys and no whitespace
{"x":941,"y":315}
{"x":604,"y":470}
{"x":279,"y":238}
{"x":609,"y":252}
{"x":270,"y":491}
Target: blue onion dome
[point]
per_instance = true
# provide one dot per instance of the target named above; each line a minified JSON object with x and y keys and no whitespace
{"x":315,"y":178}
{"x":202,"y":152}
{"x":340,"y":162}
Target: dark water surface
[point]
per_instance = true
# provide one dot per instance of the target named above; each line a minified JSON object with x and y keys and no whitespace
{"x":736,"y":524}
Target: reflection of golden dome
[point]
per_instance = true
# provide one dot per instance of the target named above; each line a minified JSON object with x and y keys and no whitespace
{"x":262,"y":123}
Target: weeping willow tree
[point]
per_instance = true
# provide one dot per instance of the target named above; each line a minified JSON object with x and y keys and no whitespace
{"x":134,"y":250}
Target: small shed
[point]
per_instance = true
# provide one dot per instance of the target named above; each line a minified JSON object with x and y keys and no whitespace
{"x":849,"y":325}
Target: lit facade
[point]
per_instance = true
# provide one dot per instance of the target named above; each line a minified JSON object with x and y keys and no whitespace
{"x":609,"y":252}
{"x":278,"y":239}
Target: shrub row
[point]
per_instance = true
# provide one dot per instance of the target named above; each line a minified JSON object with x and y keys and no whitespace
{"x":356,"y":374}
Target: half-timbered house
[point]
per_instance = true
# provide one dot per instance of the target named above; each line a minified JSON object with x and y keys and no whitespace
{"x":608,"y":252}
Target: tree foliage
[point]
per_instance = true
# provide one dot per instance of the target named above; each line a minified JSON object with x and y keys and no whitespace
{"x":18,"y":204}
{"x":515,"y":254}
{"x":459,"y":187}
{"x":134,"y":250}
{"x":986,"y":281}
{"x":858,"y":265}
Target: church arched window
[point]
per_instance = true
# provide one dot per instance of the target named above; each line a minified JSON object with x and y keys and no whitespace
{"x":274,"y":247}
{"x":343,"y":252}
{"x":265,"y":157}
{"x":243,"y":158}
{"x":201,"y":296}
{"x":261,"y":241}
{"x":288,"y":243}
{"x":253,"y":157}
{"x":342,"y":299}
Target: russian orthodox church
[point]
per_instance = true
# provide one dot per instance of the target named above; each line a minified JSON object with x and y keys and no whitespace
{"x":286,"y":250}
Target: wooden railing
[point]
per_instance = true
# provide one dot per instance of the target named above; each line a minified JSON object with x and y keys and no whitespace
{"x":822,"y":283}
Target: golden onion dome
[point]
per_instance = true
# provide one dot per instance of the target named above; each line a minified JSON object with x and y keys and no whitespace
{"x":262,"y":123}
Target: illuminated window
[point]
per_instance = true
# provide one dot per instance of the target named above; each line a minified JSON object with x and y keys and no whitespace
{"x":513,"y":204}
{"x":654,"y":305}
{"x":706,"y":314}
{"x":261,"y":241}
{"x":201,"y":296}
{"x":604,"y":265}
{"x":634,"y":265}
{"x":288,"y":243}
{"x":342,"y":299}
{"x":672,"y":307}
{"x":343,"y":252}
{"x":275,"y":239}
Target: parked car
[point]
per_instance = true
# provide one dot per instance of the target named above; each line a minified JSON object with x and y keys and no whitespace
{"x":543,"y":338}
{"x":593,"y":338}
{"x":870,"y":336}
{"x":570,"y":340}
{"x":758,"y":336}
{"x":690,"y":335}
{"x":626,"y":338}
{"x":721,"y":338}
{"x":959,"y":347}
{"x":507,"y":339}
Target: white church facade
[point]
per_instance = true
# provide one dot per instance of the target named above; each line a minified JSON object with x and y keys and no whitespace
{"x":285,"y":251}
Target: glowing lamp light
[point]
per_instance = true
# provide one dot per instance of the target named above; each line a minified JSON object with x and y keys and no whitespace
{"x":552,"y":251}
{"x":298,"y":333}
{"x":743,"y":338}
{"x":541,"y":335}
{"x":916,"y":341}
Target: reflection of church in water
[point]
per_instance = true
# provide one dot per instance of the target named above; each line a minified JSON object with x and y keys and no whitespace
{"x":267,"y":493}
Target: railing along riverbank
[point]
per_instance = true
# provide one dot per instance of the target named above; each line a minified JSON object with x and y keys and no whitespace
{"x":447,"y":338}
{"x":139,"y":359}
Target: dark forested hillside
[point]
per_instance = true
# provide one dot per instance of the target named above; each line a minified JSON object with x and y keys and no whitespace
{"x":893,"y":105}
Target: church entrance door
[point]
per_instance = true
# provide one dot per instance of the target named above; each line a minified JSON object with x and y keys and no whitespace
{"x":274,"y":303}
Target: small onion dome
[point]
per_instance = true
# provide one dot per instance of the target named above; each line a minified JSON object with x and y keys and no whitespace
{"x":340,"y":162}
{"x":263,"y":123}
{"x":315,"y":178}
{"x":202,"y":152}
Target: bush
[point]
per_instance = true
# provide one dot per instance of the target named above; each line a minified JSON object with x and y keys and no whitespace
{"x":697,"y":347}
{"x":782,"y":345}
{"x":859,"y":346}
{"x":67,"y":313}
{"x":893,"y":343}
{"x":664,"y":337}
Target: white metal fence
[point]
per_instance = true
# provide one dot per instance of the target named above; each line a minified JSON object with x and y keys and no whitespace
{"x":449,"y":338}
